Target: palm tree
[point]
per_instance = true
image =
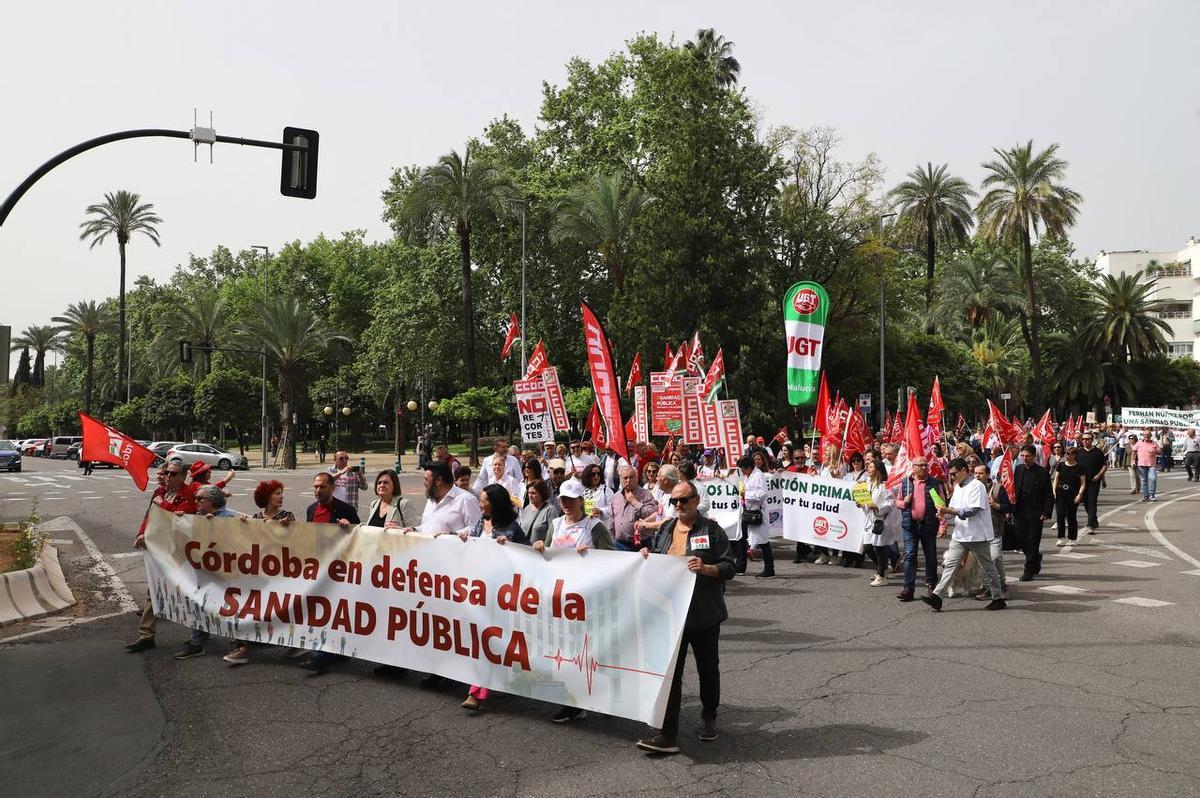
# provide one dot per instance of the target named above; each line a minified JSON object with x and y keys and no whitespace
{"x":1124,"y":326}
{"x":1022,"y":198}
{"x":996,"y":347}
{"x":41,"y":338}
{"x":89,"y":319}
{"x":599,"y":213}
{"x":202,"y":320}
{"x":976,"y":288}
{"x":292,"y":335}
{"x":718,"y":51}
{"x":939,"y":204}
{"x":121,"y":214}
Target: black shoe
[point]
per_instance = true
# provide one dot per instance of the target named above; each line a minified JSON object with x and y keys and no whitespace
{"x":659,"y":744}
{"x":568,"y":714}
{"x":997,"y":604}
{"x":765,"y":575}
{"x":433,"y":681}
{"x":1026,"y":578}
{"x":189,"y":651}
{"x":933,"y":600}
{"x":709,"y":732}
{"x":140,"y":645}
{"x":389,"y":671}
{"x":905,"y":595}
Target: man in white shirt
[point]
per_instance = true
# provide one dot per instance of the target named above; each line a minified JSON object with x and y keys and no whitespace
{"x":1191,"y":455}
{"x":448,"y":508}
{"x":971,"y":511}
{"x":512,"y":466}
{"x":580,"y":458}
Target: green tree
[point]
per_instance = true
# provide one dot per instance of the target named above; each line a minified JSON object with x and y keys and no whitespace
{"x":939,"y":205}
{"x":128,"y":418}
{"x":473,"y":406}
{"x":579,"y":402}
{"x":24,"y":374}
{"x":41,"y":338}
{"x":201,"y":319}
{"x":716,"y":52}
{"x":1022,"y":196}
{"x":977,"y":287}
{"x":1124,"y":323}
{"x":228,"y":396}
{"x":121,"y":215}
{"x":294,"y":337}
{"x":87,"y":320}
{"x":168,"y":408}
{"x":600,"y":214}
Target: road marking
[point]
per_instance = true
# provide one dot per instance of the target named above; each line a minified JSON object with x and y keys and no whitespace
{"x":1141,"y":551}
{"x":60,"y":542}
{"x":53,"y":498}
{"x":101,"y":567}
{"x":120,"y":554}
{"x":1158,"y":535}
{"x":1191,"y":573}
{"x":1138,"y":601}
{"x":56,"y":627}
{"x":1074,"y":555}
{"x":1138,"y":563}
{"x":1068,"y":589}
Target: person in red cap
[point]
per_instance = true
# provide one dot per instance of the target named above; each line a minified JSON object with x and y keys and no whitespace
{"x":201,"y":472}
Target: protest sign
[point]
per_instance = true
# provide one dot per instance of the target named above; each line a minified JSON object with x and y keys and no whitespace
{"x":711,"y":424}
{"x":731,"y":429}
{"x":1135,"y":417}
{"x":558,"y":408}
{"x":693,"y":429}
{"x":666,"y":400}
{"x":533,"y":411}
{"x":641,"y":422}
{"x":598,"y":631}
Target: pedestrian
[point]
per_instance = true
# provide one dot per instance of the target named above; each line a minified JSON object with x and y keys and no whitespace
{"x":389,"y":509}
{"x":710,"y":558}
{"x":880,"y":517}
{"x":1145,"y":454}
{"x":1093,"y":465}
{"x":1191,"y":455}
{"x":1135,"y":477}
{"x":755,"y":531}
{"x":597,"y":497}
{"x":348,"y":480}
{"x":632,"y":503}
{"x":1001,"y":509}
{"x":536,"y":515}
{"x":171,"y":494}
{"x":210,"y":503}
{"x":921,"y":524}
{"x":510,"y":465}
{"x":970,"y":511}
{"x":322,"y":447}
{"x":831,"y":468}
{"x":1032,"y":508}
{"x":1068,"y":483}
{"x":328,"y":508}
{"x":88,"y":466}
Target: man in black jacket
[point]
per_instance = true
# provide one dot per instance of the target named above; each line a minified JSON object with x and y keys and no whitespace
{"x":328,"y":509}
{"x":1093,"y":464}
{"x":710,"y":558}
{"x":1033,"y":506}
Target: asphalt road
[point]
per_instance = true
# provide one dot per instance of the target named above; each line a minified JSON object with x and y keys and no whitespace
{"x":1086,"y":685}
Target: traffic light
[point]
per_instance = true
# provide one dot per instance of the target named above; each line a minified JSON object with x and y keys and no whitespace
{"x":185,"y":351}
{"x":298,"y":175}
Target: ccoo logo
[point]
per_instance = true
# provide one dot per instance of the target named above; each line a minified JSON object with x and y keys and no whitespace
{"x":806,"y":301}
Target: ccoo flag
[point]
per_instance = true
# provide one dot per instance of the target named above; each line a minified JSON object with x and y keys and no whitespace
{"x":805,"y":308}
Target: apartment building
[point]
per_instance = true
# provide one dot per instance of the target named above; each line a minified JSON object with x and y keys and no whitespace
{"x":1178,"y":273}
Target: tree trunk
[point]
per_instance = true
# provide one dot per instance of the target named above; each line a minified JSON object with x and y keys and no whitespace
{"x":1031,"y":309}
{"x":286,"y":433}
{"x":87,"y":383}
{"x":930,"y":261}
{"x":464,"y":263}
{"x":121,"y":367}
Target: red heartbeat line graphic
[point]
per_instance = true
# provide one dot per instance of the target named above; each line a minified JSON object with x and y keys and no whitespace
{"x":588,"y":665}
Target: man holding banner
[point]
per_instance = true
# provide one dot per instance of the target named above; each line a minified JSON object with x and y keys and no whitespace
{"x":710,"y":558}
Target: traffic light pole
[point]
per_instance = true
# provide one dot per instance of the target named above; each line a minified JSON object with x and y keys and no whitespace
{"x":204,"y":137}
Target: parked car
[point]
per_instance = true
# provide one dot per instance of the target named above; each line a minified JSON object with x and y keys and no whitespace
{"x":161,"y":448}
{"x":60,"y":445}
{"x":34,"y":447}
{"x":10,"y":456}
{"x":73,"y":454}
{"x":191,"y":452}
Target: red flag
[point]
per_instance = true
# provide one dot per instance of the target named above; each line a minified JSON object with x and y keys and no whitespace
{"x":695,"y":359}
{"x":678,"y":362}
{"x":857,"y":436}
{"x":900,"y":469}
{"x":912,"y":428}
{"x":537,"y":361}
{"x":936,"y":406}
{"x":1000,"y":425}
{"x":604,"y":383}
{"x":668,"y":449}
{"x":668,"y":356}
{"x":512,"y":333}
{"x":821,"y":419}
{"x":1006,"y":476}
{"x":782,"y":435}
{"x":103,"y":444}
{"x":887,"y":424}
{"x":594,"y":428}
{"x":896,"y":433}
{"x":635,"y":373}
{"x":712,"y":380}
{"x":960,"y":423}
{"x":1044,"y":429}
{"x":630,"y":434}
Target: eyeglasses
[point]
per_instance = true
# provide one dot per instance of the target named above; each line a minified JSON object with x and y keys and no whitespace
{"x":174,"y":473}
{"x":679,"y":501}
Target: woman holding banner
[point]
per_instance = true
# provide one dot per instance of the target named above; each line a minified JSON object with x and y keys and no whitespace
{"x":597,"y":497}
{"x":831,"y":468}
{"x":880,"y":517}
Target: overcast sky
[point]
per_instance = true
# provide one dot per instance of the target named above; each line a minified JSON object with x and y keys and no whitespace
{"x":389,"y":83}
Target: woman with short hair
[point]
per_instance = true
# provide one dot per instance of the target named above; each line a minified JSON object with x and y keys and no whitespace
{"x":389,"y":509}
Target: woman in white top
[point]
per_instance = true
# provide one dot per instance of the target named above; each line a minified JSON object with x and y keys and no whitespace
{"x":504,"y":480}
{"x":597,"y":497}
{"x":754,"y":493}
{"x":881,"y":508}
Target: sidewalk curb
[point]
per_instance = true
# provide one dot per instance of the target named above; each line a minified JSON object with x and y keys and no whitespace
{"x":34,"y":592}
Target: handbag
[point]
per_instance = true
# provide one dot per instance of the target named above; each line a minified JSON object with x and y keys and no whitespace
{"x":752,"y":517}
{"x":877,"y":527}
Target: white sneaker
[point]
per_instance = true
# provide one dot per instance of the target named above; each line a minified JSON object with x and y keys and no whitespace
{"x":1061,"y":542}
{"x":821,"y":560}
{"x":879,"y":581}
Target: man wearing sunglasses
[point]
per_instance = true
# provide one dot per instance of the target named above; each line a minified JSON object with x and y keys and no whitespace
{"x":710,"y":557}
{"x":971,"y":511}
{"x":1093,"y":465}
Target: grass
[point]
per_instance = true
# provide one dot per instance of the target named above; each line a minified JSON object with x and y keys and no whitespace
{"x":25,"y":546}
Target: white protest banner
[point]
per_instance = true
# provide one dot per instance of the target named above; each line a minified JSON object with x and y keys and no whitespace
{"x":666,"y":404}
{"x":731,"y":429}
{"x":641,"y":421}
{"x":1141,"y":417}
{"x":558,"y":408}
{"x":693,"y":427}
{"x":533,"y":411}
{"x":813,"y":510}
{"x":597,"y":631}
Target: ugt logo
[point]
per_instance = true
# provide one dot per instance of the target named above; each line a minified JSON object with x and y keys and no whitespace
{"x":806,"y":301}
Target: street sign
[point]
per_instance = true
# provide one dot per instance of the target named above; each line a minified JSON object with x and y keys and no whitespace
{"x":1006,"y":396}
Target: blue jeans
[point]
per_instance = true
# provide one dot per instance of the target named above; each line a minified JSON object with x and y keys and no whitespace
{"x":1149,"y":475}
{"x":198,"y":637}
{"x":928,"y":543}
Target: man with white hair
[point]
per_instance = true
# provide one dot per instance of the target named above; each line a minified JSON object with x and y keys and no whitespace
{"x":632,"y":503}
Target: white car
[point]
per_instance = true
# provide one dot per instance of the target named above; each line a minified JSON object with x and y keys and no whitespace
{"x":189,"y":453}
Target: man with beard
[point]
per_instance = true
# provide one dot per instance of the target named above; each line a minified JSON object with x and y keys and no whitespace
{"x":449,"y":508}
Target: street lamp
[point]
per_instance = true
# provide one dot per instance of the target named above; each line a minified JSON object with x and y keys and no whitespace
{"x":881,"y":356}
{"x":412,"y":406}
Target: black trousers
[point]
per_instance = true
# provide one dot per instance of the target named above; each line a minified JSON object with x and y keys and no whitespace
{"x":1067,"y":513}
{"x":1191,"y":461}
{"x":768,"y":558}
{"x":704,"y":649}
{"x":1091,"y":499}
{"x":1029,"y":532}
{"x":741,"y":550}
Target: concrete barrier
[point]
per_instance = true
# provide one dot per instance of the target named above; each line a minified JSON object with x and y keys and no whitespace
{"x":34,"y":592}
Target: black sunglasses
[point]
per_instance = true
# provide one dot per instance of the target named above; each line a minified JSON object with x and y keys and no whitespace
{"x":679,"y":501}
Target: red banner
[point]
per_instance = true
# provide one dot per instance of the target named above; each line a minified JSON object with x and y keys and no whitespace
{"x":512,"y":333}
{"x":1006,"y":476}
{"x":558,"y":408}
{"x":693,"y":427}
{"x":936,"y":406}
{"x":604,"y":381}
{"x":641,"y":419}
{"x":666,"y":403}
{"x":635,"y":373}
{"x":537,"y":361}
{"x":731,"y":429}
{"x":103,"y":444}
